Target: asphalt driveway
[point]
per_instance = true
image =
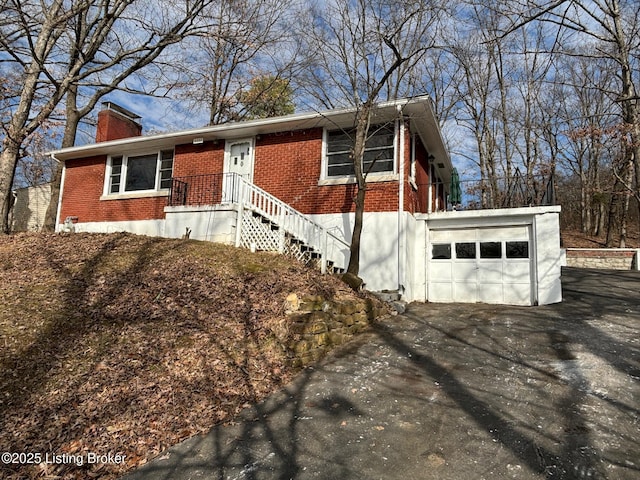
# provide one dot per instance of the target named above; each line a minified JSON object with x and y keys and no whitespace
{"x":453,"y":392}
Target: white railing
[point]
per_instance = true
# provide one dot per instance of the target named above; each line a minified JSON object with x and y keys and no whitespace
{"x":247,"y":195}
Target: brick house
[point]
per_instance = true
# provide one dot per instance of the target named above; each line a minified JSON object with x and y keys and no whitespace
{"x":284,"y":184}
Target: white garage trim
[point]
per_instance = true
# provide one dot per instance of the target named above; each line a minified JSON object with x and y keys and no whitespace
{"x":530,"y":281}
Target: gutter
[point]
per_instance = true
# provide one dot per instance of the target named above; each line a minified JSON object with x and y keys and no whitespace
{"x":294,"y":121}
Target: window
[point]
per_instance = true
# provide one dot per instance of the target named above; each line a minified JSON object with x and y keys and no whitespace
{"x":465,"y":250}
{"x":378,"y":153}
{"x":441,"y":251}
{"x":517,"y":249}
{"x":490,"y":250}
{"x":138,"y":173}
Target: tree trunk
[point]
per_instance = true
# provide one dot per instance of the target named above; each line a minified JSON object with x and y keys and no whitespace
{"x":625,"y":206}
{"x":68,"y":140}
{"x":584,"y":209}
{"x":8,"y":162}
{"x":354,"y":249}
{"x":362,"y":129}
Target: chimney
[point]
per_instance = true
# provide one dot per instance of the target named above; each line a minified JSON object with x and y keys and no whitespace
{"x":115,"y":122}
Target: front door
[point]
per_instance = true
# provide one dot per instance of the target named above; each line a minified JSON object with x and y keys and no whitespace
{"x":238,"y":161}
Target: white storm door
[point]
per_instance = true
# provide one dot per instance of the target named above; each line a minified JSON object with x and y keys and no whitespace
{"x":238,"y":161}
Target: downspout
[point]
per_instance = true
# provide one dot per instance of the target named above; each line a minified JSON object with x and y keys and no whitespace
{"x":430,"y":188}
{"x":59,"y":209}
{"x":402,"y":241}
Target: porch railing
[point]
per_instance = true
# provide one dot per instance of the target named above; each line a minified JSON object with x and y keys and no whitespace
{"x":227,"y":188}
{"x":196,"y":190}
{"x":515,"y":191}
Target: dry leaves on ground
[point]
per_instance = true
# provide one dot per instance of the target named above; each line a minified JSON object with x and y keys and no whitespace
{"x":119,"y":344}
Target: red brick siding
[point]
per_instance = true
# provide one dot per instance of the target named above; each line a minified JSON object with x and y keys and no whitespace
{"x":419,"y":197}
{"x":83,"y":186}
{"x":198,"y":162}
{"x":202,"y":159}
{"x":288,"y":166}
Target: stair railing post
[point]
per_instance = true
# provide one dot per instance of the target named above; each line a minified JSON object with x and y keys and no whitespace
{"x":240,"y":213}
{"x":281,"y":230}
{"x":323,"y":252}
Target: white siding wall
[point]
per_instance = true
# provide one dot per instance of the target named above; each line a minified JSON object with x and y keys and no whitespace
{"x":30,"y":208}
{"x":378,"y":248}
{"x":549,"y":258}
{"x":151,"y":228}
{"x":211,"y":223}
{"x":380,"y":259}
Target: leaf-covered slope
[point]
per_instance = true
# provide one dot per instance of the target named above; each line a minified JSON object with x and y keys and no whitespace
{"x":127,"y":344}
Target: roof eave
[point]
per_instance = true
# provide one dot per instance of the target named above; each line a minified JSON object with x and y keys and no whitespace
{"x":340,"y":117}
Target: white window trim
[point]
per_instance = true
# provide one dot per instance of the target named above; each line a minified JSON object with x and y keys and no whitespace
{"x":122,"y":194}
{"x":325,"y":179}
{"x":138,"y":194}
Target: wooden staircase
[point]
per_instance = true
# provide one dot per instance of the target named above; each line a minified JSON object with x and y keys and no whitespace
{"x":267,"y":223}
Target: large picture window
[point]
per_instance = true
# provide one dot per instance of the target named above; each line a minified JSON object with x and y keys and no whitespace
{"x":378,"y":153}
{"x":138,"y":173}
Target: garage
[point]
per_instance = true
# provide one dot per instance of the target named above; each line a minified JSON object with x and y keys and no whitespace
{"x":488,"y":265}
{"x":501,"y":256}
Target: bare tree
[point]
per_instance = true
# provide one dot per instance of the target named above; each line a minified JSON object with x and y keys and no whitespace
{"x":483,"y":99}
{"x":246,"y":39}
{"x":368,"y":48}
{"x":613,"y":26}
{"x":58,"y":45}
{"x":588,"y":116}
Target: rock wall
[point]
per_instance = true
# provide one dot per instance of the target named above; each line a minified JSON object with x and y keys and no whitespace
{"x":318,"y":324}
{"x":610,"y":258}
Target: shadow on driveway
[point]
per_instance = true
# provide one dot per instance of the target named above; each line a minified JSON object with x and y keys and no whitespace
{"x":451,"y":391}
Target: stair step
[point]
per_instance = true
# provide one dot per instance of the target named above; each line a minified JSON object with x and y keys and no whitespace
{"x":297,"y":247}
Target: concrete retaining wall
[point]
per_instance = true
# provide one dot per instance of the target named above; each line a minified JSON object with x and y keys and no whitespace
{"x":319,"y":324}
{"x":604,"y":258}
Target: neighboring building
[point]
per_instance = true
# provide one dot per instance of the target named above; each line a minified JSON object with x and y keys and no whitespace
{"x":287,"y":184}
{"x":30,"y":208}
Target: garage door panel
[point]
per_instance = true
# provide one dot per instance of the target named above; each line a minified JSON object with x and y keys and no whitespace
{"x":464,"y":292}
{"x":491,"y":293}
{"x":519,"y":232}
{"x":441,"y":292}
{"x":441,"y":271}
{"x":517,"y":294}
{"x":465,"y":272}
{"x":490,"y":272}
{"x":461,"y":235}
{"x":517,"y":272}
{"x":490,"y":275}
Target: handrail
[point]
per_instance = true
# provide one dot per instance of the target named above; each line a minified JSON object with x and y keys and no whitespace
{"x":291,"y":220}
{"x":222,"y":188}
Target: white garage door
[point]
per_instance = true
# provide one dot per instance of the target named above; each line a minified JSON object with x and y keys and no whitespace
{"x":488,"y":265}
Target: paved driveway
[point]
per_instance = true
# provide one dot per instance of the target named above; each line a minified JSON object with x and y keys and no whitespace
{"x":453,"y":392}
